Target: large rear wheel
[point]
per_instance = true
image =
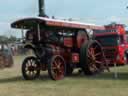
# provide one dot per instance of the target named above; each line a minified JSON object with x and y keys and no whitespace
{"x":56,"y":68}
{"x":30,"y":68}
{"x":92,"y":58}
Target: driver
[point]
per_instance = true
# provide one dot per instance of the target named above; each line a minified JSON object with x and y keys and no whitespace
{"x":48,"y":36}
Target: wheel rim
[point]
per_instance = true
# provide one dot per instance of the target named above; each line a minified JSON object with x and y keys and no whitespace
{"x":94,"y":57}
{"x":58,"y":68}
{"x":31,"y":68}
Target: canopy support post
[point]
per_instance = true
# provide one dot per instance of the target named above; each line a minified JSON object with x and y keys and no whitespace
{"x":38,"y":30}
{"x":22,"y":33}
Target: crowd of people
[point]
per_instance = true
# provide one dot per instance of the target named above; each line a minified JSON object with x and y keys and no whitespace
{"x":17,"y":49}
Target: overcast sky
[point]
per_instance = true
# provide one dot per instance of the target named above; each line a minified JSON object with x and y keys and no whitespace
{"x":90,"y":11}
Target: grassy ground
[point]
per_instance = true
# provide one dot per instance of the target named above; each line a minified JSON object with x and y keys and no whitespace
{"x":12,"y":84}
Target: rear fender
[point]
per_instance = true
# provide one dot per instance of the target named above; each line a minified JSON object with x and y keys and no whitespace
{"x":29,"y":46}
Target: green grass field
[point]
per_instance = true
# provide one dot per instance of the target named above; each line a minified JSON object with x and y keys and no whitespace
{"x":12,"y":83}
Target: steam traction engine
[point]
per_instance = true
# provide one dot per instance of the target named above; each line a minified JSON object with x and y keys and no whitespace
{"x":59,"y":47}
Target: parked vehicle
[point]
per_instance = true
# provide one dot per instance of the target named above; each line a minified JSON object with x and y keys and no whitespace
{"x":59,"y":47}
{"x":114,"y":42}
{"x":6,"y":58}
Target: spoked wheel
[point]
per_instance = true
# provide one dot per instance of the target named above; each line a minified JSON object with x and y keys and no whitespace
{"x":30,"y":68}
{"x":92,"y":58}
{"x":56,"y":68}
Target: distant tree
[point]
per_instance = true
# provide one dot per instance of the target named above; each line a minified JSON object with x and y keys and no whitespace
{"x":11,"y":39}
{"x":113,"y":23}
{"x":3,"y":39}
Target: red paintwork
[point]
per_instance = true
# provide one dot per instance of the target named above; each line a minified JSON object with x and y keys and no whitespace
{"x":68,"y":41}
{"x":75,"y":57}
{"x":105,"y":34}
{"x":116,"y":51}
{"x":72,"y":25}
{"x":81,"y":38}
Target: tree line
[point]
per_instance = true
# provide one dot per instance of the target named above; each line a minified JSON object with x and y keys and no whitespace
{"x":11,"y":39}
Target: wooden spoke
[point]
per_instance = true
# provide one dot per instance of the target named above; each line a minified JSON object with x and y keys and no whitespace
{"x":96,"y":47}
{"x":92,"y":51}
{"x":99,"y":62}
{"x":97,"y":54}
{"x":54,"y":68}
{"x":89,"y":53}
{"x":55,"y":62}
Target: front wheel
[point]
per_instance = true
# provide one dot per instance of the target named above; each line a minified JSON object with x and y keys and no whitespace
{"x":30,"y":68}
{"x":56,"y":67}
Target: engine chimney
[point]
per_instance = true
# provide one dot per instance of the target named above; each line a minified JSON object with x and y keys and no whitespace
{"x":42,"y":8}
